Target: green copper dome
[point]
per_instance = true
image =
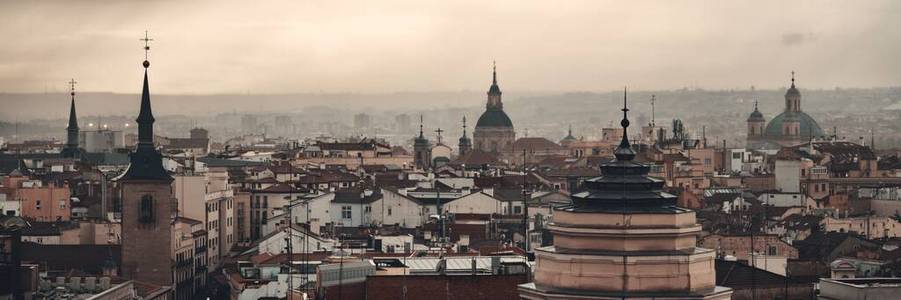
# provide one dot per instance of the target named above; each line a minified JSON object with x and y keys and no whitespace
{"x":494,"y":118}
{"x":809,"y":126}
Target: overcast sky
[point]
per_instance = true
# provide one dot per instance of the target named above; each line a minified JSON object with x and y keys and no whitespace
{"x":204,"y":47}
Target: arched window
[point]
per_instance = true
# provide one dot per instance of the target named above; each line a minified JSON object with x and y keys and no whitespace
{"x":146,"y":209}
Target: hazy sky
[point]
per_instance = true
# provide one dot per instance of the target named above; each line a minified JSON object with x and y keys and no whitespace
{"x":386,"y":46}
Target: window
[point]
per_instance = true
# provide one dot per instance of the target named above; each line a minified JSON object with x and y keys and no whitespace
{"x":62,"y":204}
{"x":517,"y":210}
{"x":37,"y":204}
{"x":771,"y":250}
{"x":736,"y":155}
{"x":145,"y":215}
{"x":389,"y":211}
{"x":346,"y":212}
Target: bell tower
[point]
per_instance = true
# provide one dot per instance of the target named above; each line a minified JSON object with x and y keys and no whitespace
{"x":756,"y":126}
{"x":147,"y":203}
{"x":71,"y":150}
{"x":422,"y":149}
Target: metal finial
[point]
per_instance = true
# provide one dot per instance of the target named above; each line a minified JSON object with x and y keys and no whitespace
{"x":494,"y":72}
{"x":420,"y":125}
{"x":793,"y":78}
{"x":624,"y":151}
{"x":146,"y":41}
{"x":72,"y":87}
{"x":625,"y":121}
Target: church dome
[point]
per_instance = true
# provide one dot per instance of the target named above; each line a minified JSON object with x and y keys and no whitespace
{"x":809,"y":126}
{"x":755,"y":116}
{"x":494,"y":118}
{"x":792,"y":92}
{"x":569,"y":136}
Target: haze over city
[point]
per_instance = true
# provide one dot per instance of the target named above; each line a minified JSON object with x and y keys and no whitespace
{"x":228,"y":47}
{"x":568,"y":150}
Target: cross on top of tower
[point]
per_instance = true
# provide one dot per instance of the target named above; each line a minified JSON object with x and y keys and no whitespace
{"x":146,"y":41}
{"x":439,"y":131}
{"x":72,"y":87}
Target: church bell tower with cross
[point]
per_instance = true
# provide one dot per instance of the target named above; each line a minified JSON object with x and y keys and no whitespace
{"x":148,"y":205}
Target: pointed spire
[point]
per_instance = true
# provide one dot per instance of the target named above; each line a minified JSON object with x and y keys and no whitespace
{"x":146,"y":162}
{"x":464,"y":126}
{"x":570,"y":132}
{"x":494,"y":72}
{"x":145,"y":118}
{"x":71,"y":148}
{"x":420,"y":127}
{"x":624,"y":150}
{"x":73,"y":119}
{"x":755,"y":105}
{"x":494,"y":90}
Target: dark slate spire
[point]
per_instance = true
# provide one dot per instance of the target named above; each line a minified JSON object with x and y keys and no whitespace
{"x":494,"y":90}
{"x":73,"y":119}
{"x":145,"y":118}
{"x":464,"y":126}
{"x":146,"y":162}
{"x":624,"y":150}
{"x":421,"y":140}
{"x":420,"y":127}
{"x":71,"y":149}
{"x":465,"y":144}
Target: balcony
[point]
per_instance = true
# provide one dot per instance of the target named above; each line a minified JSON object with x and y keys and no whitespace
{"x":200,"y":249}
